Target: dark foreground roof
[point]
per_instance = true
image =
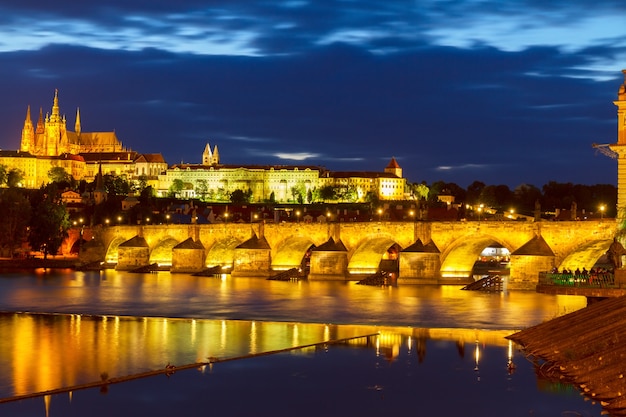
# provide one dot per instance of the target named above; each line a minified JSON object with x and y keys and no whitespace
{"x":585,"y":348}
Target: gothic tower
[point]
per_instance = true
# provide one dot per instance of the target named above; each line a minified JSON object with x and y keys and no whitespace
{"x":210,"y":157}
{"x":77,"y":125}
{"x":28,"y":134}
{"x":55,"y":128}
{"x":620,"y":149}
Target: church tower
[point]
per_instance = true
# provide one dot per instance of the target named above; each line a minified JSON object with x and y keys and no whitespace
{"x":210,"y":157}
{"x":620,"y":149}
{"x":99,"y":192}
{"x":28,"y":134}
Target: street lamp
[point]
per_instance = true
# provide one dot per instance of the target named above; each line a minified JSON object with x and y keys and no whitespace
{"x":298,"y":216}
{"x":480,"y":209}
{"x":167,"y":219}
{"x":225,"y":217}
{"x":106,"y":221}
{"x":380,"y":214}
{"x":602,"y":211}
{"x":412,"y":215}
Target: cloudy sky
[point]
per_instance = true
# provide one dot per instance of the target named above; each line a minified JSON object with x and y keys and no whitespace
{"x":504,"y":92}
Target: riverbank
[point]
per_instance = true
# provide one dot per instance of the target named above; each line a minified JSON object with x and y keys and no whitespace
{"x":33,"y":263}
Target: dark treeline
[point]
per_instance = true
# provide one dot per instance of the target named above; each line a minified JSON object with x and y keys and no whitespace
{"x":523,"y":199}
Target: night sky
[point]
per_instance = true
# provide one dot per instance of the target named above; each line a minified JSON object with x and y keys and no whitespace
{"x":504,"y":92}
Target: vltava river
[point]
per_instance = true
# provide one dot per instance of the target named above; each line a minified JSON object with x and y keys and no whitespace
{"x":438,"y":350}
{"x":178,"y":295}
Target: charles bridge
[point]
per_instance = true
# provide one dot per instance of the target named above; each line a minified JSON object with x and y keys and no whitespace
{"x":420,"y":252}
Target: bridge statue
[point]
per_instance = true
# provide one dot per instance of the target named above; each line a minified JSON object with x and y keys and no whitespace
{"x":615,"y":253}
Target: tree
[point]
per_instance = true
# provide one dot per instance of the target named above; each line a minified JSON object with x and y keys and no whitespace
{"x":419,"y":191}
{"x":116,"y":185}
{"x":3,"y":174}
{"x":59,"y":175}
{"x":525,"y":196}
{"x":240,"y":196}
{"x":142,"y":184}
{"x":14,"y":177}
{"x":558,"y":195}
{"x":49,"y":222}
{"x":176,"y":187}
{"x":349,"y":194}
{"x":328,"y":193}
{"x":473,"y":192}
{"x":15,"y":209}
{"x":202,"y":189}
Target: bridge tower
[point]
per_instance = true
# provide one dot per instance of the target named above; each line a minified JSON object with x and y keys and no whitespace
{"x":620,"y":149}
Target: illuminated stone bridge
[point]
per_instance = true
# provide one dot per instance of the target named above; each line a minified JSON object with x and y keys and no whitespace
{"x":417,"y":252}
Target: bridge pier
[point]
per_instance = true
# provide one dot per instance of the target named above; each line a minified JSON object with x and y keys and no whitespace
{"x":329,"y":261}
{"x":419,"y":268}
{"x":188,"y":257}
{"x":132,"y":254}
{"x":253,"y":258}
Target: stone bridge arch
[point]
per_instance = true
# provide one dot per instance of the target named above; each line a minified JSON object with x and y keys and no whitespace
{"x":161,"y":253}
{"x":458,"y":258}
{"x":222,"y":252}
{"x":586,"y":255}
{"x":111,"y":255}
{"x":290,"y":252}
{"x":369,"y":252}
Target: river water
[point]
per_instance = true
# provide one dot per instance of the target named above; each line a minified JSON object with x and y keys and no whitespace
{"x":423,"y":350}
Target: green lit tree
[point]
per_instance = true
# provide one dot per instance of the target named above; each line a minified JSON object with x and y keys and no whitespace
{"x":202,"y":189}
{"x":176,"y":188}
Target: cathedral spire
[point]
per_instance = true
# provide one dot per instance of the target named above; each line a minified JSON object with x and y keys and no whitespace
{"x":54,"y":117}
{"x":216,"y":156}
{"x":77,"y":126}
{"x":40,"y":125}
{"x":28,"y":119}
{"x":28,"y":134}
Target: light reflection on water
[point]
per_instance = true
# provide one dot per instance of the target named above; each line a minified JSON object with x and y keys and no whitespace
{"x":430,"y":342}
{"x":177,"y":295}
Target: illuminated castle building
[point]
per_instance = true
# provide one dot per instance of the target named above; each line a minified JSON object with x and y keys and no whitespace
{"x":283,"y":182}
{"x":50,"y":144}
{"x":51,"y":137}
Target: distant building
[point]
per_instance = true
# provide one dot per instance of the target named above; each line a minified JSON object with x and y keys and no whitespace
{"x":285,"y":182}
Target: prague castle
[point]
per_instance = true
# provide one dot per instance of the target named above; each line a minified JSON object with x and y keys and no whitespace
{"x":49,"y":144}
{"x":51,"y":137}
